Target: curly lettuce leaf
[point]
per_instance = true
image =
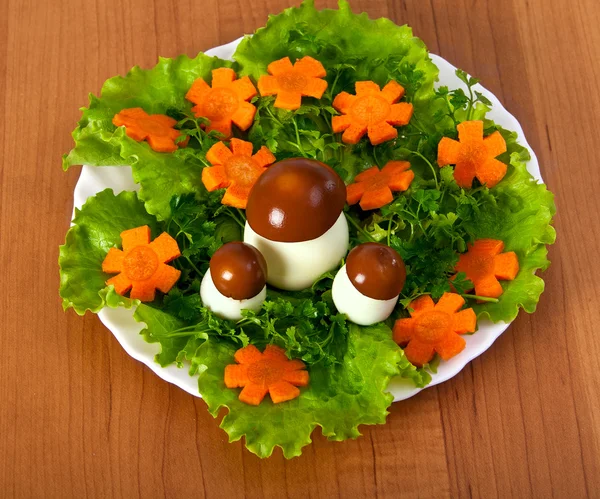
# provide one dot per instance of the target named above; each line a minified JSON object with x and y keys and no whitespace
{"x":520,"y":214}
{"x":369,"y":49}
{"x":338,"y":399}
{"x":161,"y":176}
{"x":95,"y":229}
{"x":158,"y":324}
{"x":160,"y":90}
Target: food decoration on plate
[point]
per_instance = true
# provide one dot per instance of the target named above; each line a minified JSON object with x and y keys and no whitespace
{"x":313,"y":219}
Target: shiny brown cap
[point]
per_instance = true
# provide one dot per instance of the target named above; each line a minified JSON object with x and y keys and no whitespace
{"x":238,"y":270}
{"x":296,"y":200}
{"x":376,"y":270}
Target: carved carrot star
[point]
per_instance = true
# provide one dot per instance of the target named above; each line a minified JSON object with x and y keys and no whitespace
{"x":373,"y":187}
{"x":292,"y":82}
{"x":225,"y":103}
{"x":485,"y":264}
{"x":235,"y":168}
{"x":473,"y":155}
{"x":371,"y":111}
{"x":434,"y":328}
{"x":141,"y":265}
{"x":268,"y":372}
{"x":156,"y":129}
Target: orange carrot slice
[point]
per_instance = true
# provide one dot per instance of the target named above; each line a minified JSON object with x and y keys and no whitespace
{"x":485,"y":264}
{"x":290,"y":82}
{"x":236,"y":169}
{"x":141,"y":265}
{"x":156,"y":129}
{"x":473,"y":155}
{"x":464,"y":321}
{"x":372,"y":111}
{"x":374,"y":187}
{"x":434,"y":328}
{"x":268,"y":372}
{"x":225,"y":103}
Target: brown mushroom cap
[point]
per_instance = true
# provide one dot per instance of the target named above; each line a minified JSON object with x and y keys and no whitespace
{"x":376,"y":270}
{"x":238,"y":270}
{"x":296,"y":200}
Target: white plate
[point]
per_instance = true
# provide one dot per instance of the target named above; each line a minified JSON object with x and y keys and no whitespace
{"x":122,"y":324}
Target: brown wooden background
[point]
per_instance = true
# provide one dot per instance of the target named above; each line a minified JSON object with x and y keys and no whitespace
{"x":79,"y":418}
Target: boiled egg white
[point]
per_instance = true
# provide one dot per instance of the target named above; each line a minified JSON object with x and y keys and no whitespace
{"x":224,"y":306}
{"x":297,"y":265}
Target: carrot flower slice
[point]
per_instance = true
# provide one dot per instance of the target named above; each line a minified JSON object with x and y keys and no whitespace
{"x":292,"y":82}
{"x":434,"y":328}
{"x":225,"y":103}
{"x":156,"y":129}
{"x":485,"y":264}
{"x":141,"y":264}
{"x":473,"y":155}
{"x":371,"y":111}
{"x":267,"y":372}
{"x":236,"y":169}
{"x":374,"y":187}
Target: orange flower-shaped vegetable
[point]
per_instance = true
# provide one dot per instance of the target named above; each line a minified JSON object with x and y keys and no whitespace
{"x":484,"y":263}
{"x":235,"y":168}
{"x":156,"y":129}
{"x":292,"y":82}
{"x":371,"y":111}
{"x":141,"y":264}
{"x":373,"y":187}
{"x":225,"y":103}
{"x":434,"y":328}
{"x":268,"y":372}
{"x":473,"y":155}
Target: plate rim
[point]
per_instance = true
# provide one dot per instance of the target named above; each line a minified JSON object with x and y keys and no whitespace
{"x":121,"y":323}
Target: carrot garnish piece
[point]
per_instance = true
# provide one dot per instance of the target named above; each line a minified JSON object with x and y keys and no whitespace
{"x":473,"y":155}
{"x":373,"y":187}
{"x":371,"y":111}
{"x":434,"y":328}
{"x":292,"y":82}
{"x":485,"y":264}
{"x":267,"y":372}
{"x":225,"y":103}
{"x":156,"y":129}
{"x":236,"y":169}
{"x":141,"y":265}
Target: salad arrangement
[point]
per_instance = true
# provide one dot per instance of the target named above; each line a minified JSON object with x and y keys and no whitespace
{"x":325,"y":134}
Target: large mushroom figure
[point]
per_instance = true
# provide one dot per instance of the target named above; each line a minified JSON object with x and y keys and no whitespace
{"x":295,"y":219}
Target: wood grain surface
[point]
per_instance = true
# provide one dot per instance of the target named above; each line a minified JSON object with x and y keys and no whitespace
{"x":79,"y":418}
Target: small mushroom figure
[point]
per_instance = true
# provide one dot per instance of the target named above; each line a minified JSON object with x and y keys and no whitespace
{"x":367,"y":287}
{"x":235,"y":281}
{"x":295,"y":218}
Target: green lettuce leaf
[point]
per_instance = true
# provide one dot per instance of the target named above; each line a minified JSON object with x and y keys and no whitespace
{"x":520,"y":214}
{"x":338,"y":399}
{"x":161,"y":176}
{"x":369,"y":49}
{"x":158,"y":324}
{"x":96,"y":228}
{"x":159,"y":90}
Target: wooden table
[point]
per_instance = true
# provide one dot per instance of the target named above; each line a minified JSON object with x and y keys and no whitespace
{"x":79,"y":418}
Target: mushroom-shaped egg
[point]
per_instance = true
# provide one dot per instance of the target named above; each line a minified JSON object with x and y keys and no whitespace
{"x":235,"y":281}
{"x":366,"y":289}
{"x":295,"y":218}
